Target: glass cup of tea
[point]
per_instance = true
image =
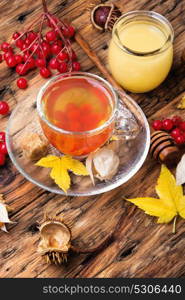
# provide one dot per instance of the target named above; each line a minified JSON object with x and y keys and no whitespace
{"x":79,"y":112}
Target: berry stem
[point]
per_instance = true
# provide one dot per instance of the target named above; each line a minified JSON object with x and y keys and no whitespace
{"x":44,"y":6}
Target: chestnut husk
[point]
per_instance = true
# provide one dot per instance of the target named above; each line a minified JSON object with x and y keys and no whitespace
{"x":103,"y":16}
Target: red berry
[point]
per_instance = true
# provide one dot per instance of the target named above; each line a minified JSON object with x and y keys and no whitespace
{"x":71,"y":31}
{"x":5,"y":47}
{"x":157,"y":125}
{"x":24,"y":47}
{"x":176,"y":132}
{"x":53,"y":63}
{"x":16,"y":35}
{"x":2,"y":136}
{"x":40,"y":62}
{"x":63,"y":56}
{"x":26,"y":56}
{"x":4,"y":108}
{"x":30,"y":64}
{"x":44,"y":72}
{"x":59,"y":43}
{"x":46,"y":50}
{"x":65,"y":32}
{"x":74,"y":55}
{"x":18,"y":58}
{"x":168,"y":124}
{"x":19,"y":43}
{"x":2,"y":159}
{"x":55,"y":49}
{"x":62,"y":67}
{"x":21,"y":69}
{"x":31,"y":36}
{"x":27,"y":42}
{"x":8,"y":54}
{"x":11,"y":62}
{"x":180,"y":139}
{"x":3,"y":149}
{"x":176,"y":120}
{"x":51,"y":36}
{"x":182,"y":126}
{"x":22,"y":83}
{"x":76,"y":66}
{"x":1,"y":58}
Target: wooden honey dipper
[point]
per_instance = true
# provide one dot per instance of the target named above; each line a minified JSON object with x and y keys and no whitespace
{"x":163,"y":148}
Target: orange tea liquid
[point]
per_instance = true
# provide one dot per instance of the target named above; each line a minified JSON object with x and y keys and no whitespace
{"x":77,"y":105}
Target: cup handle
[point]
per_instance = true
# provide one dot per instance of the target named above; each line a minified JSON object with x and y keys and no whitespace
{"x":127,"y":127}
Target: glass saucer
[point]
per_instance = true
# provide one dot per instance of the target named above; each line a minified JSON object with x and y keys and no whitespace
{"x":24,"y":119}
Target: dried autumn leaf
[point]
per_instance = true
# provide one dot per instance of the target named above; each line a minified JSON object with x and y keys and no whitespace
{"x":3,"y":214}
{"x":60,"y":167}
{"x":181,"y":105}
{"x":180,"y":171}
{"x":171,"y":202}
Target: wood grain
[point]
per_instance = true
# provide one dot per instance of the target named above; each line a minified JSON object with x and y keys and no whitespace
{"x":138,"y":247}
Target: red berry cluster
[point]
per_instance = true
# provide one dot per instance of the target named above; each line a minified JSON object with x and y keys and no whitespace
{"x":49,"y":52}
{"x":3,"y":149}
{"x":175,"y":126}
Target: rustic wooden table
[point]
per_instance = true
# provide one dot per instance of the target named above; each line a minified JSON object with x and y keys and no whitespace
{"x":138,"y":247}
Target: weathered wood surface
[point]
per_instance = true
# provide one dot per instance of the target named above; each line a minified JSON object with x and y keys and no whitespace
{"x":138,"y":247}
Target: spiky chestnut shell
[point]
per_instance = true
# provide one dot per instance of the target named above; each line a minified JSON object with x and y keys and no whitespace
{"x":55,"y":240}
{"x":103,"y":16}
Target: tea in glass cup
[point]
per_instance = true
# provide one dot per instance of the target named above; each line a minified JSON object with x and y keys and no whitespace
{"x":77,"y":112}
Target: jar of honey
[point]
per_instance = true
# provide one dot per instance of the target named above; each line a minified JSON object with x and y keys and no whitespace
{"x":141,"y":50}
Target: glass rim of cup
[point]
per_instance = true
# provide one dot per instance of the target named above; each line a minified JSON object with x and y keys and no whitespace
{"x":149,"y":13}
{"x":63,"y":131}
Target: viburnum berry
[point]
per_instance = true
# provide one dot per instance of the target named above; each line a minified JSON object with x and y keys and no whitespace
{"x":30,"y":63}
{"x":74,"y":55}
{"x":40,"y":62}
{"x":21,"y":69}
{"x":55,"y":49}
{"x":7,"y":55}
{"x":24,"y":47}
{"x":76,"y":66}
{"x":11,"y":61}
{"x":179,"y":139}
{"x":22,"y":83}
{"x":176,"y":120}
{"x":2,"y":136}
{"x":16,"y":35}
{"x":2,"y":159}
{"x":51,"y":36}
{"x":71,"y":31}
{"x":62,"y":67}
{"x":157,"y":125}
{"x":31,"y":36}
{"x":4,"y":108}
{"x":59,"y":43}
{"x":44,"y":72}
{"x":46,"y":50}
{"x":182,"y":126}
{"x":19,"y":43}
{"x":27,"y":42}
{"x":63,"y":56}
{"x":53,"y":63}
{"x":3,"y":149}
{"x":168,"y":124}
{"x":18,"y":58}
{"x":5,"y":47}
{"x":26,"y":56}
{"x":176,"y":132}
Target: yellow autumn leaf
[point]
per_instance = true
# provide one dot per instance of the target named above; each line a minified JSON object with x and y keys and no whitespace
{"x":61,"y":177}
{"x":48,"y":161}
{"x":74,"y":165}
{"x":60,"y":167}
{"x":171,"y":202}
